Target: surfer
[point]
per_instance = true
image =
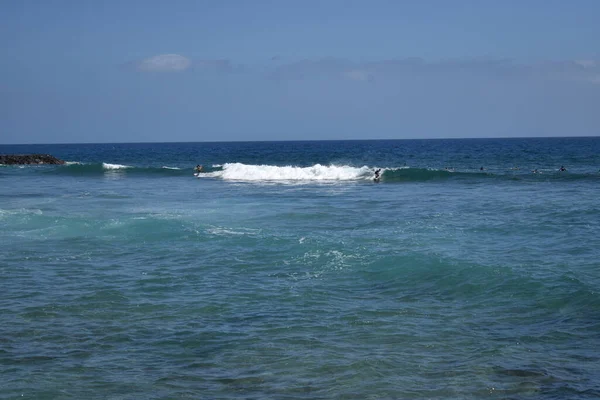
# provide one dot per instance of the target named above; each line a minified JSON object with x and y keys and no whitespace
{"x":377,"y":175}
{"x":562,"y":168}
{"x":198,"y":168}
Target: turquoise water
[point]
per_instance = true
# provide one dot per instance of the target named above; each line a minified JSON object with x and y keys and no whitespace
{"x":285,"y":272}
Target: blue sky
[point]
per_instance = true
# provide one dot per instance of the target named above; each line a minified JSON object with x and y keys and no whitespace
{"x":150,"y":71}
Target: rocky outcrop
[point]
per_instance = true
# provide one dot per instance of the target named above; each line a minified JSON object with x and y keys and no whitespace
{"x":12,"y":159}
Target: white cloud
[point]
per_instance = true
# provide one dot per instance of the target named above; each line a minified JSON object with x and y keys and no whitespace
{"x":584,"y":70}
{"x":165,"y":63}
{"x":443,"y":70}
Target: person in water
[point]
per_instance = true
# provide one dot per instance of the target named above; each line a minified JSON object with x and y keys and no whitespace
{"x":377,"y":174}
{"x":562,"y":168}
{"x":198,"y":168}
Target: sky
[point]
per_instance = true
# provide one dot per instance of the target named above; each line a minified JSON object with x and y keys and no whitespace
{"x":83,"y":71}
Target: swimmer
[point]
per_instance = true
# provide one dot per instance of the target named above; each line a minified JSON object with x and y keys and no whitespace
{"x":562,"y":168}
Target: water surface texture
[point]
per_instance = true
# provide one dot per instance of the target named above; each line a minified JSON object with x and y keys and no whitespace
{"x":284,"y":271}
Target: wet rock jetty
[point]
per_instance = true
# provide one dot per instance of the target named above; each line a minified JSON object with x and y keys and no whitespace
{"x":18,"y":159}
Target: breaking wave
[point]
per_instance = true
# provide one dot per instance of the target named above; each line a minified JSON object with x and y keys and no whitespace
{"x":317,"y":172}
{"x":314,"y":173}
{"x":114,"y":166}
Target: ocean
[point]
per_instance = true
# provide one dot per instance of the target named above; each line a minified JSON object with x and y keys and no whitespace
{"x":285,"y":272}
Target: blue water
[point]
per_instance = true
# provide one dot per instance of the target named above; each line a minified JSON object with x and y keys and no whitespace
{"x":285,"y":272}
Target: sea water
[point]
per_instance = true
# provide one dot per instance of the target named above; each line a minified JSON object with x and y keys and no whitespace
{"x":285,"y":272}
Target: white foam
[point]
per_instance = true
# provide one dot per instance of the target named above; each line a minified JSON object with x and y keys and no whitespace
{"x":222,"y":231}
{"x":73,"y":163}
{"x":165,"y":167}
{"x":114,"y":166}
{"x":317,"y":172}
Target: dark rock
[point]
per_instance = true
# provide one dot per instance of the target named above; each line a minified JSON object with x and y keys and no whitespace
{"x":12,"y":159}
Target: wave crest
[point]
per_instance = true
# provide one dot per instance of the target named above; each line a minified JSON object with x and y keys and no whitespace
{"x":314,"y":173}
{"x":114,"y":166}
{"x":317,"y":172}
